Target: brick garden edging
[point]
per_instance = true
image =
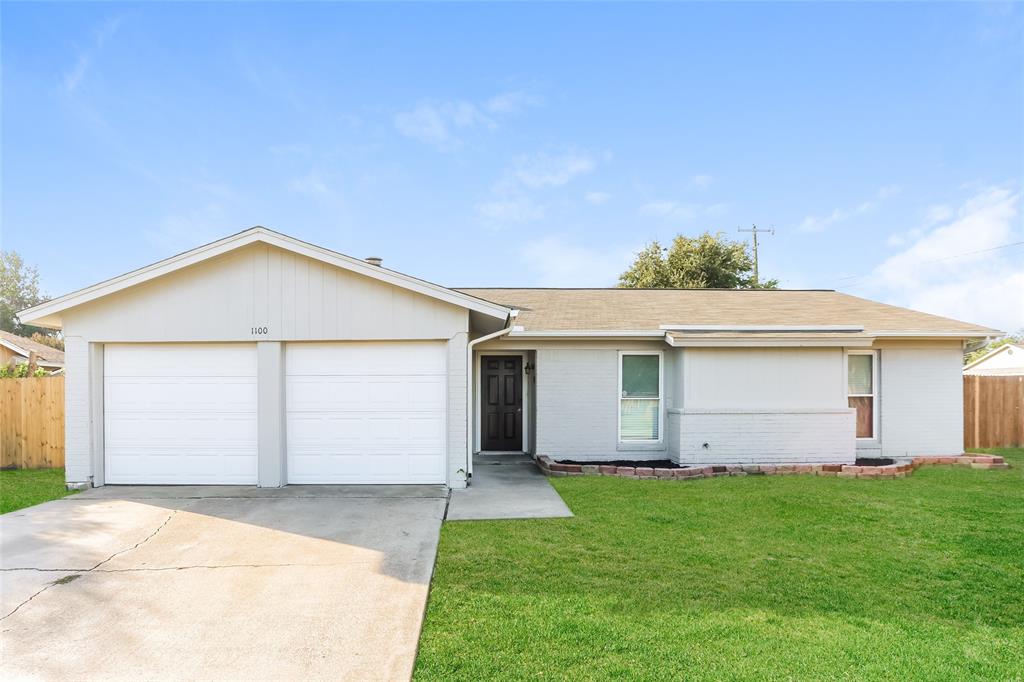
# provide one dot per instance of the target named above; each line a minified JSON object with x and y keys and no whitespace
{"x":899,"y":469}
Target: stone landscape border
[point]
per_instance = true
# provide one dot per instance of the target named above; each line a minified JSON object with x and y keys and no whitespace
{"x":899,"y":469}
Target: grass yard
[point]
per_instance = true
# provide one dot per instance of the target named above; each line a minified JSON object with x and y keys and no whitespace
{"x":783,"y":577}
{"x":20,"y":488}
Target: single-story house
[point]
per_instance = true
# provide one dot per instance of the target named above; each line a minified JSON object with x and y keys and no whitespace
{"x":260,"y":359}
{"x":1005,"y":361}
{"x":19,"y":349}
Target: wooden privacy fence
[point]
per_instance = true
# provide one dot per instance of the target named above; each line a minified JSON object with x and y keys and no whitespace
{"x":32,"y":422}
{"x":993,"y":411}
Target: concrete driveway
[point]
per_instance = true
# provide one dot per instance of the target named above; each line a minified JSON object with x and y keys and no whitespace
{"x":161,"y":583}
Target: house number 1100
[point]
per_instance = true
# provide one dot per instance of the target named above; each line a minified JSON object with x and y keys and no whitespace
{"x":259,"y":330}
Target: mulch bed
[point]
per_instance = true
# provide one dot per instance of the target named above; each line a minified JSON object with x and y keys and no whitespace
{"x":654,"y":463}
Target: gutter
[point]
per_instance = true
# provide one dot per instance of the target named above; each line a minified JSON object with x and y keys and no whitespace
{"x":471,"y":383}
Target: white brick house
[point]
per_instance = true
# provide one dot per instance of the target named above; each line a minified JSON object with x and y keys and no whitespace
{"x":260,"y":359}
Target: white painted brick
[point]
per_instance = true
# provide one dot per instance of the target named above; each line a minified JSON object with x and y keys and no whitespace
{"x":457,"y":464}
{"x":577,"y":405}
{"x":77,"y":438}
{"x":765,"y":436}
{"x":922,"y":409}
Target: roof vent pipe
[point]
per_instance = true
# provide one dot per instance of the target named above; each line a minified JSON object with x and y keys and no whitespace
{"x":375,"y":260}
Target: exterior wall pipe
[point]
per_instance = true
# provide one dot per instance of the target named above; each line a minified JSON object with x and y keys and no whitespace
{"x":471,"y":383}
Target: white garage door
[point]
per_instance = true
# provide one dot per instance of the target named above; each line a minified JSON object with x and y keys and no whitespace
{"x":366,"y":412}
{"x":180,"y":413}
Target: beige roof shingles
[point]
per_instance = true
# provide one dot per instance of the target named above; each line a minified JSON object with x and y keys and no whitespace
{"x":46,"y":353}
{"x":563,"y":310}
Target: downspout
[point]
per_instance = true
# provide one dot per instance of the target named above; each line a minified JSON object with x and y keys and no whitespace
{"x":471,"y":383}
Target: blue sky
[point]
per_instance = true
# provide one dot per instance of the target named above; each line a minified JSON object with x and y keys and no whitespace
{"x":532,"y":145}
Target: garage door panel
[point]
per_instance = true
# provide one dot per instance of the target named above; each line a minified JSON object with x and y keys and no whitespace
{"x":331,"y":432}
{"x":379,"y":358}
{"x":180,"y":414}
{"x":193,"y":430}
{"x":366,"y":412}
{"x":177,"y":360}
{"x":141,"y":397}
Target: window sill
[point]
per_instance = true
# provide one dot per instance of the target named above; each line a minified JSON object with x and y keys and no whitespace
{"x":640,"y":447}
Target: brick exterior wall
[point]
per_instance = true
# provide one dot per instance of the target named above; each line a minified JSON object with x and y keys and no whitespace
{"x":77,"y":419}
{"x":922,"y":411}
{"x":577,"y":406}
{"x":457,"y":464}
{"x":760,"y":436}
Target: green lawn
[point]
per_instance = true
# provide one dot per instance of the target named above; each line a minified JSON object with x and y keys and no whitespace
{"x":22,"y":488}
{"x":792,"y":577}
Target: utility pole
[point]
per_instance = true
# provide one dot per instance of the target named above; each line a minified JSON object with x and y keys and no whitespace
{"x":753,"y":230}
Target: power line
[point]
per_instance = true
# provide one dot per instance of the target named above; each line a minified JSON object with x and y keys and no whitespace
{"x":755,"y":232}
{"x":945,"y":258}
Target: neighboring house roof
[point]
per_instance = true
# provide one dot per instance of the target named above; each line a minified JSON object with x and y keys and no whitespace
{"x":1007,"y":360}
{"x":48,"y":314}
{"x":47,"y":356}
{"x":739,"y":313}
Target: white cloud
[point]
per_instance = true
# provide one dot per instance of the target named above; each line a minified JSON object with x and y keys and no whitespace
{"x":441,"y":124}
{"x":547,"y":170}
{"x":701,"y":181}
{"x":74,"y":77}
{"x":681,"y":211}
{"x":888,"y":191}
{"x":312,"y":184}
{"x":297,"y":149}
{"x":597,"y":198}
{"x":520,"y":209}
{"x":513,"y":196}
{"x":555,"y":262}
{"x":669,"y":210}
{"x":815,"y":223}
{"x":936,"y":214}
{"x":512,"y":102}
{"x":956,"y":269}
{"x":438,"y":123}
{"x":177,"y":233}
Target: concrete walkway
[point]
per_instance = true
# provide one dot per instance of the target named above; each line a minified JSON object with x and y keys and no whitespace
{"x":176,"y":583}
{"x":506,"y":487}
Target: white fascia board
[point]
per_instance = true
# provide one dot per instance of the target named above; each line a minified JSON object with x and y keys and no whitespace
{"x":762,"y":327}
{"x":586,"y":333}
{"x":252,"y":236}
{"x":971,"y":334}
{"x":795,"y":342}
{"x":776,"y":343}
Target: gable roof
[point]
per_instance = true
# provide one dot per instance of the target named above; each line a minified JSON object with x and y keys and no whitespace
{"x":48,"y":314}
{"x":685,"y":312}
{"x":23,"y":346}
{"x":993,"y":352}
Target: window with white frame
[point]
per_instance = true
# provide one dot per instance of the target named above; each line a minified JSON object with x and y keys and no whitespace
{"x":640,"y":396}
{"x":862,"y":390}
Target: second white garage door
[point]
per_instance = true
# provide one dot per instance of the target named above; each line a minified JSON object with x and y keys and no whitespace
{"x":366,"y":412}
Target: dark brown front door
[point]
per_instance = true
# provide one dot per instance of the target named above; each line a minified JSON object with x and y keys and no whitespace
{"x":501,"y":398}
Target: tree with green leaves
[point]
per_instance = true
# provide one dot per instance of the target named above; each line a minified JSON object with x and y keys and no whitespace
{"x":1017,"y":338}
{"x":710,"y":261}
{"x":19,"y":289}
